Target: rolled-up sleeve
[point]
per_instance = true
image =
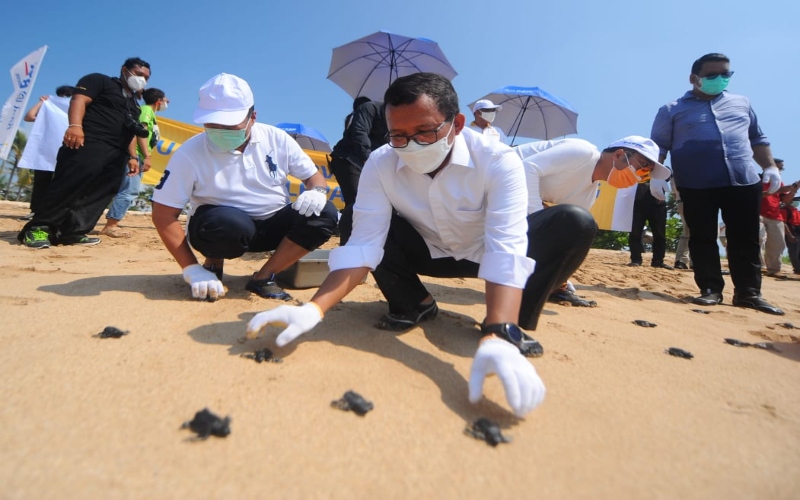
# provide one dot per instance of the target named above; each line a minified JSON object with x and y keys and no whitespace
{"x":661,"y":133}
{"x":372,"y":214}
{"x":505,"y":260}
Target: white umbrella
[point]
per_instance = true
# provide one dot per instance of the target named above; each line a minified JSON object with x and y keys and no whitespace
{"x":367,"y":66}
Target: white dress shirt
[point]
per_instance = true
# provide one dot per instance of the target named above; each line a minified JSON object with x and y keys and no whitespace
{"x":559,"y":172}
{"x":490,"y":131}
{"x":254,"y":181}
{"x":473,"y":209}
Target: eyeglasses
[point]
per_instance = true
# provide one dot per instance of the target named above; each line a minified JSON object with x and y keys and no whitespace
{"x":422,"y":138}
{"x":644,"y":163}
{"x":713,"y":76}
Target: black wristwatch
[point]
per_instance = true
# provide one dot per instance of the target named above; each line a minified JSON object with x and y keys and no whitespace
{"x":514,"y":334}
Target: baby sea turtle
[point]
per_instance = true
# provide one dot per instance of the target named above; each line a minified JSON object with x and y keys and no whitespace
{"x":701,"y":311}
{"x":207,"y":424}
{"x":353,"y":401}
{"x":487,"y":430}
{"x":674,"y":351}
{"x":111,"y":332}
{"x":767,"y":346}
{"x":788,"y":326}
{"x":262,"y":355}
{"x":644,"y":323}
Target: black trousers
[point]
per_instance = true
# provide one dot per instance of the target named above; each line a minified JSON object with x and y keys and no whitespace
{"x":41,"y":182}
{"x":558,"y":239}
{"x":652,"y":212}
{"x":84,"y":183}
{"x":347,"y":175}
{"x":220,"y":232}
{"x":740,"y":207}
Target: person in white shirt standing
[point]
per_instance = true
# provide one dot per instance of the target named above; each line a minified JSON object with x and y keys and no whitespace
{"x":234,"y":175}
{"x":441,"y":200}
{"x":485,"y":111}
{"x":569,"y":171}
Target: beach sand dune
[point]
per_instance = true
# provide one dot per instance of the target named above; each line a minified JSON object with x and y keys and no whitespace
{"x":84,"y":417}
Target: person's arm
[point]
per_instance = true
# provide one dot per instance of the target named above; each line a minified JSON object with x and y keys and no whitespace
{"x":144,"y":147}
{"x":73,"y":137}
{"x":358,"y":132}
{"x":316,"y":181}
{"x":762,"y":154}
{"x":133,"y":159}
{"x":788,"y":192}
{"x":34,"y":111}
{"x":661,"y":132}
{"x":502,"y":303}
{"x":171,"y":231}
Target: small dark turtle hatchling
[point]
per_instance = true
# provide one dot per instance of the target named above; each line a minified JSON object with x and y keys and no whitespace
{"x":788,"y":326}
{"x":207,"y":424}
{"x":701,"y":311}
{"x":680,"y":353}
{"x":353,"y":401}
{"x":486,"y":430}
{"x":263,"y":355}
{"x":111,"y":332}
{"x":644,"y":323}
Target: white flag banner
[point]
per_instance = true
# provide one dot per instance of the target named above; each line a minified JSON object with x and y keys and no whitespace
{"x":46,"y":135}
{"x":23,"y":76}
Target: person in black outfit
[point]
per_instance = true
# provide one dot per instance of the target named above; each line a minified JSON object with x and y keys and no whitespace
{"x":653,"y":212}
{"x":366,"y":133}
{"x":358,"y":101}
{"x":98,"y":144}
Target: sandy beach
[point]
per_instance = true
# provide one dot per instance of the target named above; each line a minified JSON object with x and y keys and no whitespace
{"x":84,"y":417}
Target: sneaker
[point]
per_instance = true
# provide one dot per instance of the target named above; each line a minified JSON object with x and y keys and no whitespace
{"x":681,"y":265}
{"x":757,"y":303}
{"x":266,"y":288}
{"x":708,"y":298}
{"x":214,"y":268}
{"x":79,"y":239}
{"x":26,"y":217}
{"x":400,"y":322}
{"x":565,"y":297}
{"x":36,"y":237}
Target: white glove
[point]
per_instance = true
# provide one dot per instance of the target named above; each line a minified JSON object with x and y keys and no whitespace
{"x":310,"y":202}
{"x":659,"y":188}
{"x":524,"y":389}
{"x":771,"y":176}
{"x":204,"y":282}
{"x":299,"y":320}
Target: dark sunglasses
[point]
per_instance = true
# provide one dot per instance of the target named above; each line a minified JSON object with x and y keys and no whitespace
{"x":713,"y":76}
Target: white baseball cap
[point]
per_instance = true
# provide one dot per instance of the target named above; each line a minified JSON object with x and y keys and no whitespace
{"x":224,"y":100}
{"x":485,"y":104}
{"x":647,"y":148}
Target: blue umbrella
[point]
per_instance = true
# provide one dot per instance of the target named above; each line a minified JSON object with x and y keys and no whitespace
{"x":307,"y":137}
{"x":532,"y":112}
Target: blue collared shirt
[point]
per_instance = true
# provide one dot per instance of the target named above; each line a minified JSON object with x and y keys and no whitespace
{"x":710,"y":142}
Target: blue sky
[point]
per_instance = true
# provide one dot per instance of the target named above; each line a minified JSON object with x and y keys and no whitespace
{"x":615,"y":61}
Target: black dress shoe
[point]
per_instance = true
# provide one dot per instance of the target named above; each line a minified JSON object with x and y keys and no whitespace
{"x":634,"y":264}
{"x":708,"y":298}
{"x":757,"y":303}
{"x":661,"y":265}
{"x":681,"y":265}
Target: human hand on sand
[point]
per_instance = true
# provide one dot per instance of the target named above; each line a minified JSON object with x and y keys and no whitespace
{"x":524,"y":389}
{"x":204,"y":283}
{"x":298,"y":320}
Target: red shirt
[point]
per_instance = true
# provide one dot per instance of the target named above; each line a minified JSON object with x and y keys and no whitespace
{"x":792,"y":215}
{"x":771,"y":205}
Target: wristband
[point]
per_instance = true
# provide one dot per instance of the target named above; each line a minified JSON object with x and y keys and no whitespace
{"x":75,"y":125}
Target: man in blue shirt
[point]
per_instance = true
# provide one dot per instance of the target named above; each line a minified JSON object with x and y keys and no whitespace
{"x":714,"y":138}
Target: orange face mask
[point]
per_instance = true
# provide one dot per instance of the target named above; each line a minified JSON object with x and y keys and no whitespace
{"x":624,"y":178}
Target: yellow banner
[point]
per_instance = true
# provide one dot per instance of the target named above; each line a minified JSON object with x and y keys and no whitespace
{"x":174,"y":133}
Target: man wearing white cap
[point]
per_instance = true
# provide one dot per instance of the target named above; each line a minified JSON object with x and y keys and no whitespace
{"x":234,"y":176}
{"x":569,"y":171}
{"x":485,"y":112}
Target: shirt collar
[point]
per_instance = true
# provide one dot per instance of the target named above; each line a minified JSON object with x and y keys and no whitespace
{"x":690,"y":95}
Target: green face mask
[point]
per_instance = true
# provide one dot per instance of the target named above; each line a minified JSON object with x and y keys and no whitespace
{"x":226,"y":140}
{"x":713,"y":86}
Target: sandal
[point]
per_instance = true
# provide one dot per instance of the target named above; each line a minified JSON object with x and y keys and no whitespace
{"x":115,"y":232}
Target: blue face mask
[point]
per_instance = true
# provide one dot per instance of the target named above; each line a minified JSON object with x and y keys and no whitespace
{"x":226,"y":140}
{"x":713,"y":86}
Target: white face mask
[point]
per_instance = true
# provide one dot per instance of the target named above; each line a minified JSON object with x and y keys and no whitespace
{"x":163,"y":105}
{"x":488,"y":115}
{"x":427,"y":158}
{"x":135,"y":82}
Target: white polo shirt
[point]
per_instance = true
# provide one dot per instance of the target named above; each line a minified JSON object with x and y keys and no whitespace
{"x":473,"y":209}
{"x":562,"y":170}
{"x":253,"y":181}
{"x":490,"y":131}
